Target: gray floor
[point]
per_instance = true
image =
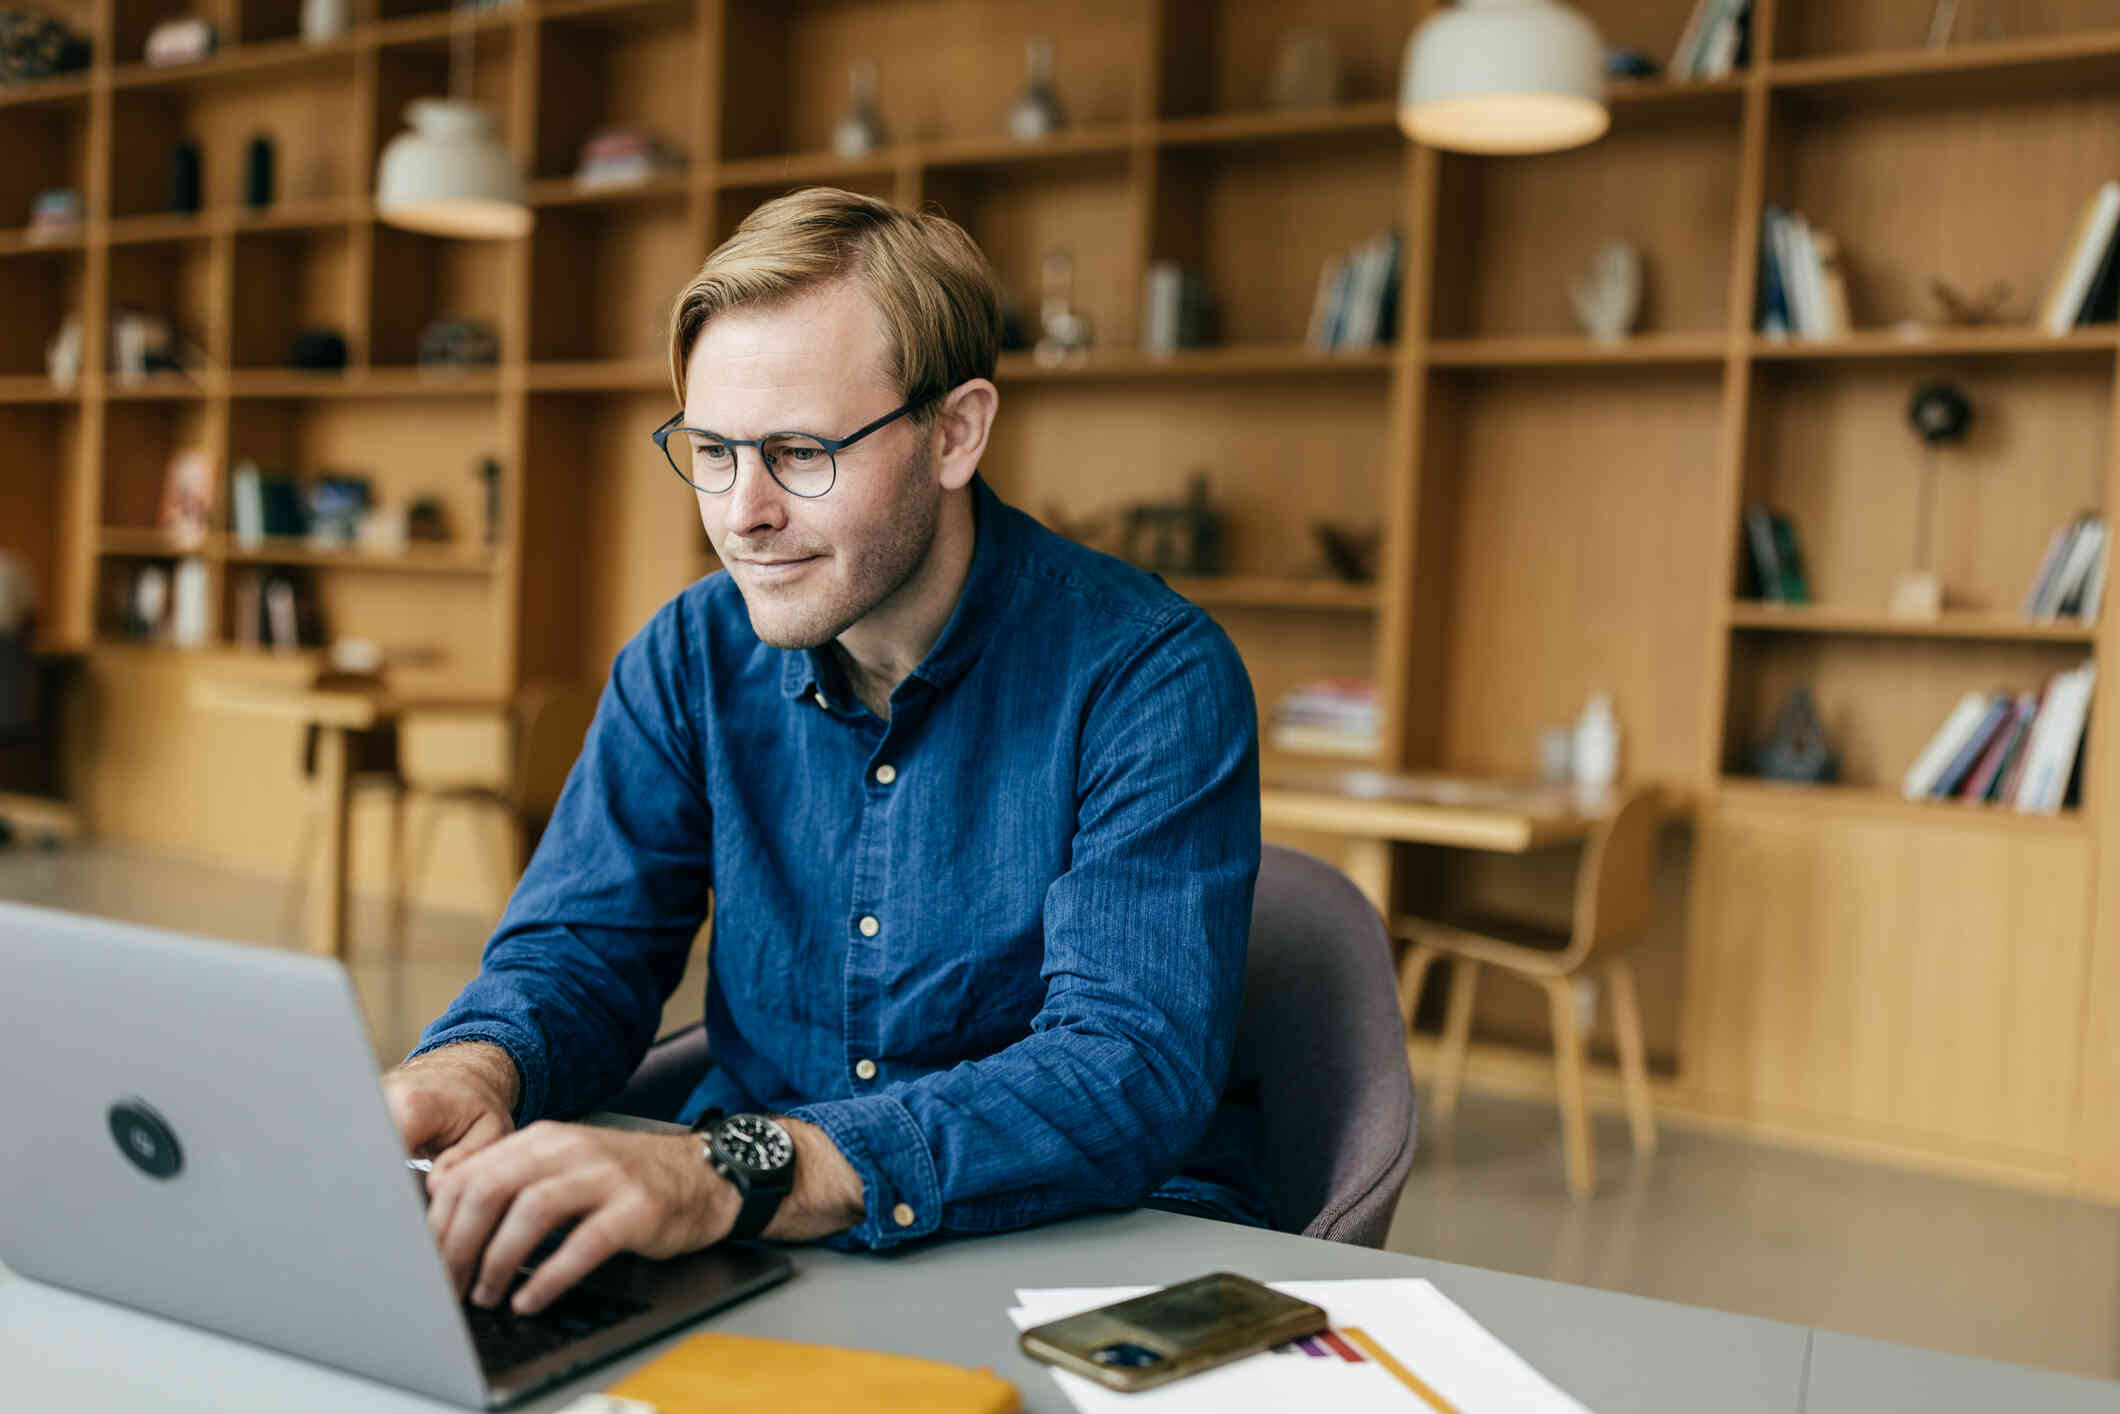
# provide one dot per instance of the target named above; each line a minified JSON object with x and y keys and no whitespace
{"x":1717,"y":1222}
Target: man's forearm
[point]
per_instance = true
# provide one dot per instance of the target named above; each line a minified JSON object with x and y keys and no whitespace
{"x":828,"y":1194}
{"x":485,"y":1063}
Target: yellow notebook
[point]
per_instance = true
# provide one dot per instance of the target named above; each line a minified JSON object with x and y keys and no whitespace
{"x":747,"y":1373}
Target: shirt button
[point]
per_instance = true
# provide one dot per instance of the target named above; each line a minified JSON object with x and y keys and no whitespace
{"x":902,"y":1215}
{"x":818,"y":698}
{"x":886,"y":773}
{"x":870,"y":927}
{"x":865,"y":1068}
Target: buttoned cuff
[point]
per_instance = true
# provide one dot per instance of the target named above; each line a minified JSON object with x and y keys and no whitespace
{"x":900,"y":1192}
{"x":525,"y":1048}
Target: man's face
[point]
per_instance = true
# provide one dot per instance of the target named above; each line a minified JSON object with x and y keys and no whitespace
{"x":809,"y":569}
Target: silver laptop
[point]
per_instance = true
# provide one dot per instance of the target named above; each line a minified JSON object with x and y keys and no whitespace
{"x":195,"y":1129}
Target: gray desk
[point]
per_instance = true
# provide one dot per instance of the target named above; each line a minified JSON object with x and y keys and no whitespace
{"x":948,"y":1300}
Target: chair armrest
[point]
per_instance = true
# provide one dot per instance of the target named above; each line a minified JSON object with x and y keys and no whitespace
{"x":666,"y":1077}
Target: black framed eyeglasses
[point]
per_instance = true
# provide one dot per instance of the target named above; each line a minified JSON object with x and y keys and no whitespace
{"x":803,"y":463}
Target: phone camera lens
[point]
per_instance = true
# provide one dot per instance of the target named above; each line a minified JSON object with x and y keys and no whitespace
{"x":1126,"y":1355}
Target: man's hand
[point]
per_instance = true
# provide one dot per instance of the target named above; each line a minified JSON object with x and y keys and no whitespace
{"x":454,"y":1100}
{"x":651,"y":1194}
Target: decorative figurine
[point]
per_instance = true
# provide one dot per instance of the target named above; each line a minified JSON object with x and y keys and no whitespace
{"x":1063,"y":331}
{"x":1037,"y":114}
{"x":448,"y":344}
{"x":1180,"y":538}
{"x":184,"y":40}
{"x":1986,"y":308}
{"x":258,"y":173}
{"x":1609,"y":299}
{"x":1797,"y":750}
{"x":860,"y":132}
{"x":1306,"y":73}
{"x":36,"y":46}
{"x":184,"y":179}
{"x":1939,"y":413}
{"x":1350,"y":552}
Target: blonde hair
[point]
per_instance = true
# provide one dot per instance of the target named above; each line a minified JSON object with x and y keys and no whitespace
{"x":940,"y":304}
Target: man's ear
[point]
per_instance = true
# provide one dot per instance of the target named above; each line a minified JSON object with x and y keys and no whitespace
{"x":962,"y":421}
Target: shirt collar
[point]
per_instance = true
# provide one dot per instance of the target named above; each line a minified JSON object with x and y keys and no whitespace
{"x":971,"y":624}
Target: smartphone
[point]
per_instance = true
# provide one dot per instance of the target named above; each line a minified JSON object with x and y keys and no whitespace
{"x":1180,"y":1330}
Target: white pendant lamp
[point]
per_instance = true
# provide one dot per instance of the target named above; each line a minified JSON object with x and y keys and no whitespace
{"x":1504,"y":77}
{"x":451,"y":175}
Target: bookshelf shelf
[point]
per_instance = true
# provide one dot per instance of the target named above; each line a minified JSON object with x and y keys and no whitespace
{"x":162,"y":388}
{"x":1703,"y":346}
{"x":1875,"y":801}
{"x":1271,"y":592}
{"x":1228,"y":362}
{"x":1933,"y":343}
{"x":1991,"y":628}
{"x":1368,"y":119}
{"x":417,"y":559}
{"x":274,"y":61}
{"x":150,"y":230}
{"x":34,"y":388}
{"x":1107,"y":140}
{"x":41,"y":93}
{"x":565,"y":191}
{"x":361,"y":383}
{"x":1966,"y":69}
{"x":140,"y":541}
{"x":1628,"y":96}
{"x":23,"y":241}
{"x":432,"y":29}
{"x":618,"y":375}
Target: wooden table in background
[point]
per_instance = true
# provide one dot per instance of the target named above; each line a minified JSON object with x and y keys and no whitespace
{"x":336,"y":712}
{"x":1374,"y":810}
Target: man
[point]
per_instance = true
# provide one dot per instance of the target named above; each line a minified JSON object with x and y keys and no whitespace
{"x":977,"y":809}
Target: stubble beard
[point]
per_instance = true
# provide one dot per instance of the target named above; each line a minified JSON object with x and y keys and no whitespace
{"x":874,"y":574}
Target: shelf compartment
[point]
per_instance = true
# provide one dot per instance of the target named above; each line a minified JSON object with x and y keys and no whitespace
{"x":176,"y":282}
{"x":1691,"y":346}
{"x":938,"y":82}
{"x":288,"y":281}
{"x":43,"y":451}
{"x":1221,"y":361}
{"x":1881,"y":700}
{"x":139,"y":439}
{"x":1816,"y":618}
{"x":1829,"y":447}
{"x":418,"y":279}
{"x":1881,"y":49}
{"x":47,"y":148}
{"x":634,"y":66}
{"x":1259,"y":224}
{"x":40,"y":291}
{"x":1511,"y":232}
{"x":1220,"y":56}
{"x":35,"y":388}
{"x":604,"y":277}
{"x":1844,"y":801}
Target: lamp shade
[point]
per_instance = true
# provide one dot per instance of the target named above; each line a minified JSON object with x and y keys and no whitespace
{"x":451,"y":175}
{"x":1504,"y":77}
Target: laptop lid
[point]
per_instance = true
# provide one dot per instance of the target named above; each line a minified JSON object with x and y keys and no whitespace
{"x":195,"y":1129}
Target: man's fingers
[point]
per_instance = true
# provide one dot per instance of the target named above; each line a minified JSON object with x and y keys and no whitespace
{"x":594,"y":1241}
{"x":537,"y":1210}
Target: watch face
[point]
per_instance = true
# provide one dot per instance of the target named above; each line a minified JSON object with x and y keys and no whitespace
{"x":756,"y":1143}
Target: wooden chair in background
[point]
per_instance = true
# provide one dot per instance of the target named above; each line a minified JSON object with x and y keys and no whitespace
{"x":1614,"y":899}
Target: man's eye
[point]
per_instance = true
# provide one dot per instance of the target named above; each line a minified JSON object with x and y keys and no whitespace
{"x":801,"y":456}
{"x":712,"y":451}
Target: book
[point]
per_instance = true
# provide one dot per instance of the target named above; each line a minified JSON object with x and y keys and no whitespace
{"x":2057,"y":547}
{"x":2078,"y":232}
{"x":1943,"y":747}
{"x":2053,"y":753}
{"x":2084,"y":555}
{"x":1689,"y":39}
{"x":1318,"y":337}
{"x":2082,"y":261}
{"x":1960,"y":768}
{"x":1795,"y":585}
{"x":1774,"y":319}
{"x":1766,"y":563}
{"x":2005,"y":792}
{"x":2102,"y":301}
{"x":1981,"y":784}
{"x":1833,"y":285}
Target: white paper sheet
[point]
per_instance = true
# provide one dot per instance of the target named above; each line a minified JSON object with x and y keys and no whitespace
{"x":1413,"y":1322}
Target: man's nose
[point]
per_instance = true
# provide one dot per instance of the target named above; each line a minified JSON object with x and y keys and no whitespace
{"x":756,"y":501}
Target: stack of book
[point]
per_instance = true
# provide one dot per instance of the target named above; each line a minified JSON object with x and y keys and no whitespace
{"x":2071,"y":579}
{"x":2024,"y":751}
{"x":1716,"y":41}
{"x":1773,"y":559}
{"x":1802,"y":290}
{"x":1330,"y":717}
{"x":2085,"y":288}
{"x":1358,"y":298}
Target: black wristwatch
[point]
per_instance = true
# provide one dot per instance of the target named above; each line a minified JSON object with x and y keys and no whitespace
{"x":758,"y":1157}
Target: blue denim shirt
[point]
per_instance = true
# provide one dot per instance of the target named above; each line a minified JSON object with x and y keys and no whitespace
{"x":1002,"y":975}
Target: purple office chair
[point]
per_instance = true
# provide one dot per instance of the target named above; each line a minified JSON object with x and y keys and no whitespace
{"x":1321,"y":1037}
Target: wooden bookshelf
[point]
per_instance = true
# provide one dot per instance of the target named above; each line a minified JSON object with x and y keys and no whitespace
{"x":1556,"y":516}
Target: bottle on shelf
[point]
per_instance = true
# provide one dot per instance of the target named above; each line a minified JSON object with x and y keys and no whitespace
{"x":1596,"y":756}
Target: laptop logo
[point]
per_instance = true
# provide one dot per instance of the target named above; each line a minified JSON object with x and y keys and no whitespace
{"x":145,"y":1139}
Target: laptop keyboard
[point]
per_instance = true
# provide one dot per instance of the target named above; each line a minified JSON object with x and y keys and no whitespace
{"x":506,"y":1340}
